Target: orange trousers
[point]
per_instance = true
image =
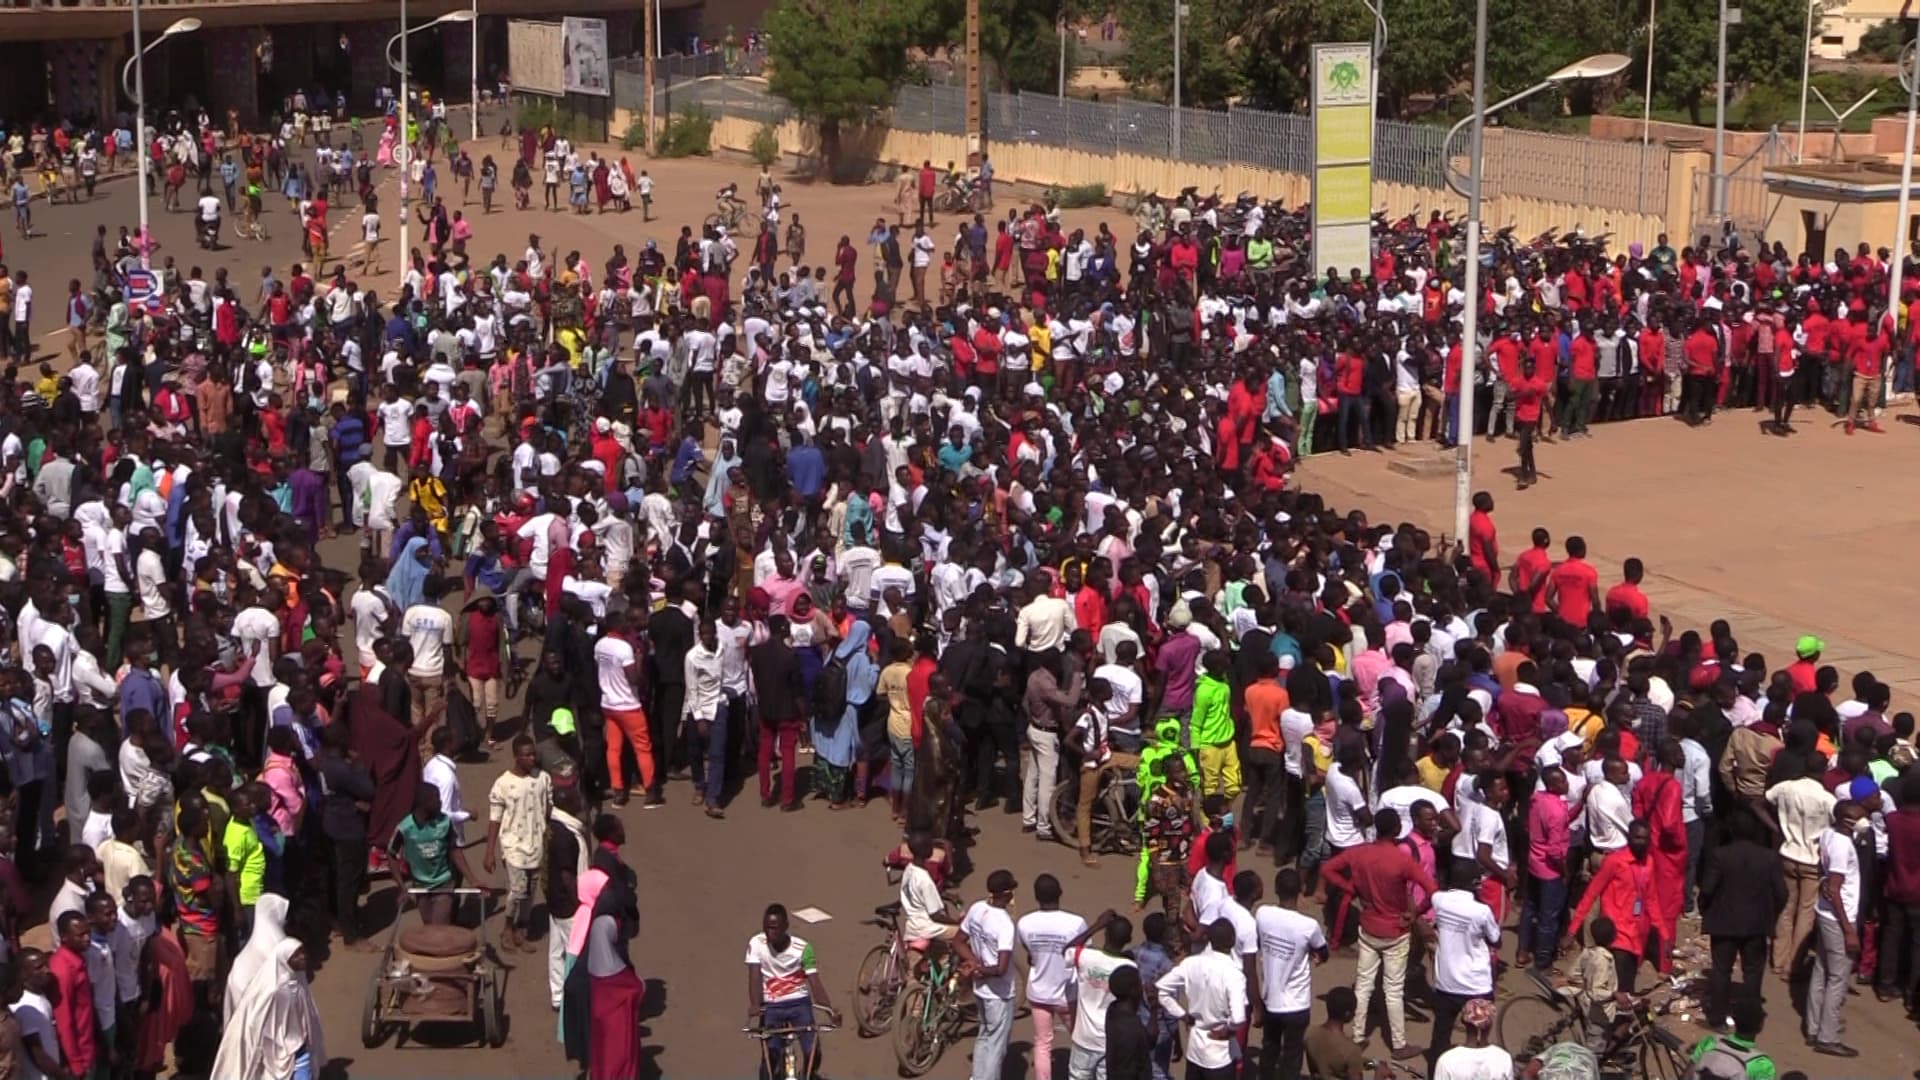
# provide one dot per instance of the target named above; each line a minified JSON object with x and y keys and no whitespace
{"x":629,"y":725}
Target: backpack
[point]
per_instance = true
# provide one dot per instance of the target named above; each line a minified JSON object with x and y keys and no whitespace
{"x":830,"y":693}
{"x":1723,"y":1061}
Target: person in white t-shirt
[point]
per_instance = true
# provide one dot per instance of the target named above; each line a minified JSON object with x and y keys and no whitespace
{"x":785,"y":985}
{"x":617,"y":667}
{"x":1092,"y":968}
{"x":1837,"y":936}
{"x":989,"y":932}
{"x":1466,"y":935}
{"x":1044,"y":933}
{"x":428,"y":628}
{"x":1290,"y":942}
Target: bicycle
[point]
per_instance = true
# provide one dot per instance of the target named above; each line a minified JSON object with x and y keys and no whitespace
{"x":729,"y":215}
{"x":242,"y":230}
{"x":1528,"y":1023}
{"x":1112,"y":823}
{"x":928,"y":1016}
{"x":883,"y":974}
{"x":791,"y":1063}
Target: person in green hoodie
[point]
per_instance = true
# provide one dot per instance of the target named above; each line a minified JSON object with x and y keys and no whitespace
{"x":1213,"y":728}
{"x":1165,"y":744}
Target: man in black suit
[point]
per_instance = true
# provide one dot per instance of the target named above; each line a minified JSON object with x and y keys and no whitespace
{"x":1742,"y":892}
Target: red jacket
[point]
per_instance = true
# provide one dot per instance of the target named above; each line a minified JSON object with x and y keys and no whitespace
{"x":1624,"y":890}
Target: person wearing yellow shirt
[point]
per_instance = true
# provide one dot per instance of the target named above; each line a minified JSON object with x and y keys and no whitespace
{"x":1041,"y":340}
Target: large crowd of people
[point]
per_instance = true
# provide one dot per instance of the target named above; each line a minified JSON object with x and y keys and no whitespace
{"x":1031,"y":526}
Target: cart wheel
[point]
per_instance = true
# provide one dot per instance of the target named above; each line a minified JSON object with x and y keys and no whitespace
{"x":373,"y":1031}
{"x":493,"y":1025}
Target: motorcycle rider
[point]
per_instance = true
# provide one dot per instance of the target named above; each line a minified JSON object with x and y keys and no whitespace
{"x":209,"y":220}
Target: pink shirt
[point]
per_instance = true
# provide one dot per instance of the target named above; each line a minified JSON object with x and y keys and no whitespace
{"x":1547,"y":837}
{"x":282,"y":777}
{"x":1367,"y":669}
{"x":588,"y":890}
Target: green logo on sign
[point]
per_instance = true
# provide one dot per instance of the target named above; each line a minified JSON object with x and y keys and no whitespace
{"x":1345,"y":75}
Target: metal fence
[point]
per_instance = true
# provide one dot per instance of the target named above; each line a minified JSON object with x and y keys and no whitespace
{"x":1559,"y":168}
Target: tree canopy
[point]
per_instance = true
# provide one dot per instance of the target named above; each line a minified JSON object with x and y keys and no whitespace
{"x":1256,"y":52}
{"x":839,"y":61}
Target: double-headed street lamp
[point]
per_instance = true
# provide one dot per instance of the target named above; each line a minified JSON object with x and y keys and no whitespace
{"x":1593,"y":67}
{"x":404,"y":155}
{"x":137,"y":90}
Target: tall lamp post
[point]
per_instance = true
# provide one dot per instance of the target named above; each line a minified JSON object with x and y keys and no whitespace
{"x":1593,"y":67}
{"x":473,"y":70}
{"x":405,"y":156}
{"x":137,"y":91}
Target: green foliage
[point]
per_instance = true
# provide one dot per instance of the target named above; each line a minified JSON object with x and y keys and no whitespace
{"x":1883,"y":41}
{"x":764,"y":148}
{"x":687,"y":135}
{"x":839,"y":61}
{"x":1258,"y":52}
{"x":635,"y":136}
{"x":1083,"y":196}
{"x":536,"y":113}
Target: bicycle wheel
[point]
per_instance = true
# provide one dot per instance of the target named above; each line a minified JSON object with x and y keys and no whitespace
{"x":917,"y":1035}
{"x":1662,"y":1055}
{"x":1528,"y":1024}
{"x":875,"y":990}
{"x":715,"y":221}
{"x":1066,"y":803}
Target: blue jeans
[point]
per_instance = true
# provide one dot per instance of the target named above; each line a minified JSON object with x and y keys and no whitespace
{"x":1453,"y":417}
{"x":712,"y":750}
{"x":797,"y":1013}
{"x":1353,"y":413}
{"x":990,"y":1045}
{"x":1696,"y":844}
{"x":1540,"y":913}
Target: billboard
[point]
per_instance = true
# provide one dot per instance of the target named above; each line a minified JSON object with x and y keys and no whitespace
{"x":584,"y":57}
{"x":1342,"y":157}
{"x":534,"y":57}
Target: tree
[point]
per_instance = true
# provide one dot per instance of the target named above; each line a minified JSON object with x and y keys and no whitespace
{"x":1884,"y":40}
{"x":838,"y":62}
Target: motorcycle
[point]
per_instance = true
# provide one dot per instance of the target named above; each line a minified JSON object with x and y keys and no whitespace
{"x":208,"y":233}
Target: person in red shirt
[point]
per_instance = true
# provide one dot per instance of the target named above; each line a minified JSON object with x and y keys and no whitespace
{"x":1868,"y":354}
{"x":1529,"y":398}
{"x":1349,"y":379}
{"x":1701,"y":353}
{"x":1483,"y":542}
{"x":1623,"y":888}
{"x":1627,"y":596}
{"x":1583,"y":382}
{"x":1530,"y":570}
{"x":927,"y":181}
{"x":845,"y":258}
{"x":73,"y":1020}
{"x":1575,"y":585}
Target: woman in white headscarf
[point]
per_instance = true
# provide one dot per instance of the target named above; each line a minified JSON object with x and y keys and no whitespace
{"x":269,"y":930}
{"x":275,"y":1030}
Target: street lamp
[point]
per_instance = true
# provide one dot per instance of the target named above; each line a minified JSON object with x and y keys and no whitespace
{"x":1593,"y":67}
{"x":137,"y":90}
{"x":405,"y":153}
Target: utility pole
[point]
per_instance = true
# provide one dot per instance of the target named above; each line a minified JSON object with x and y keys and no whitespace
{"x":976,"y":90}
{"x":1729,"y":16}
{"x":1179,"y":9}
{"x":650,"y":19}
{"x":1062,"y":90}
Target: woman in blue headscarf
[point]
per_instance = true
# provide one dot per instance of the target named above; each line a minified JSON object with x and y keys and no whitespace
{"x":836,"y":740}
{"x":407,"y":581}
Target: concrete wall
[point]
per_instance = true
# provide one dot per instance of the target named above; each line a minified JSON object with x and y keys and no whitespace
{"x":1853,"y":145}
{"x":1128,"y":173}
